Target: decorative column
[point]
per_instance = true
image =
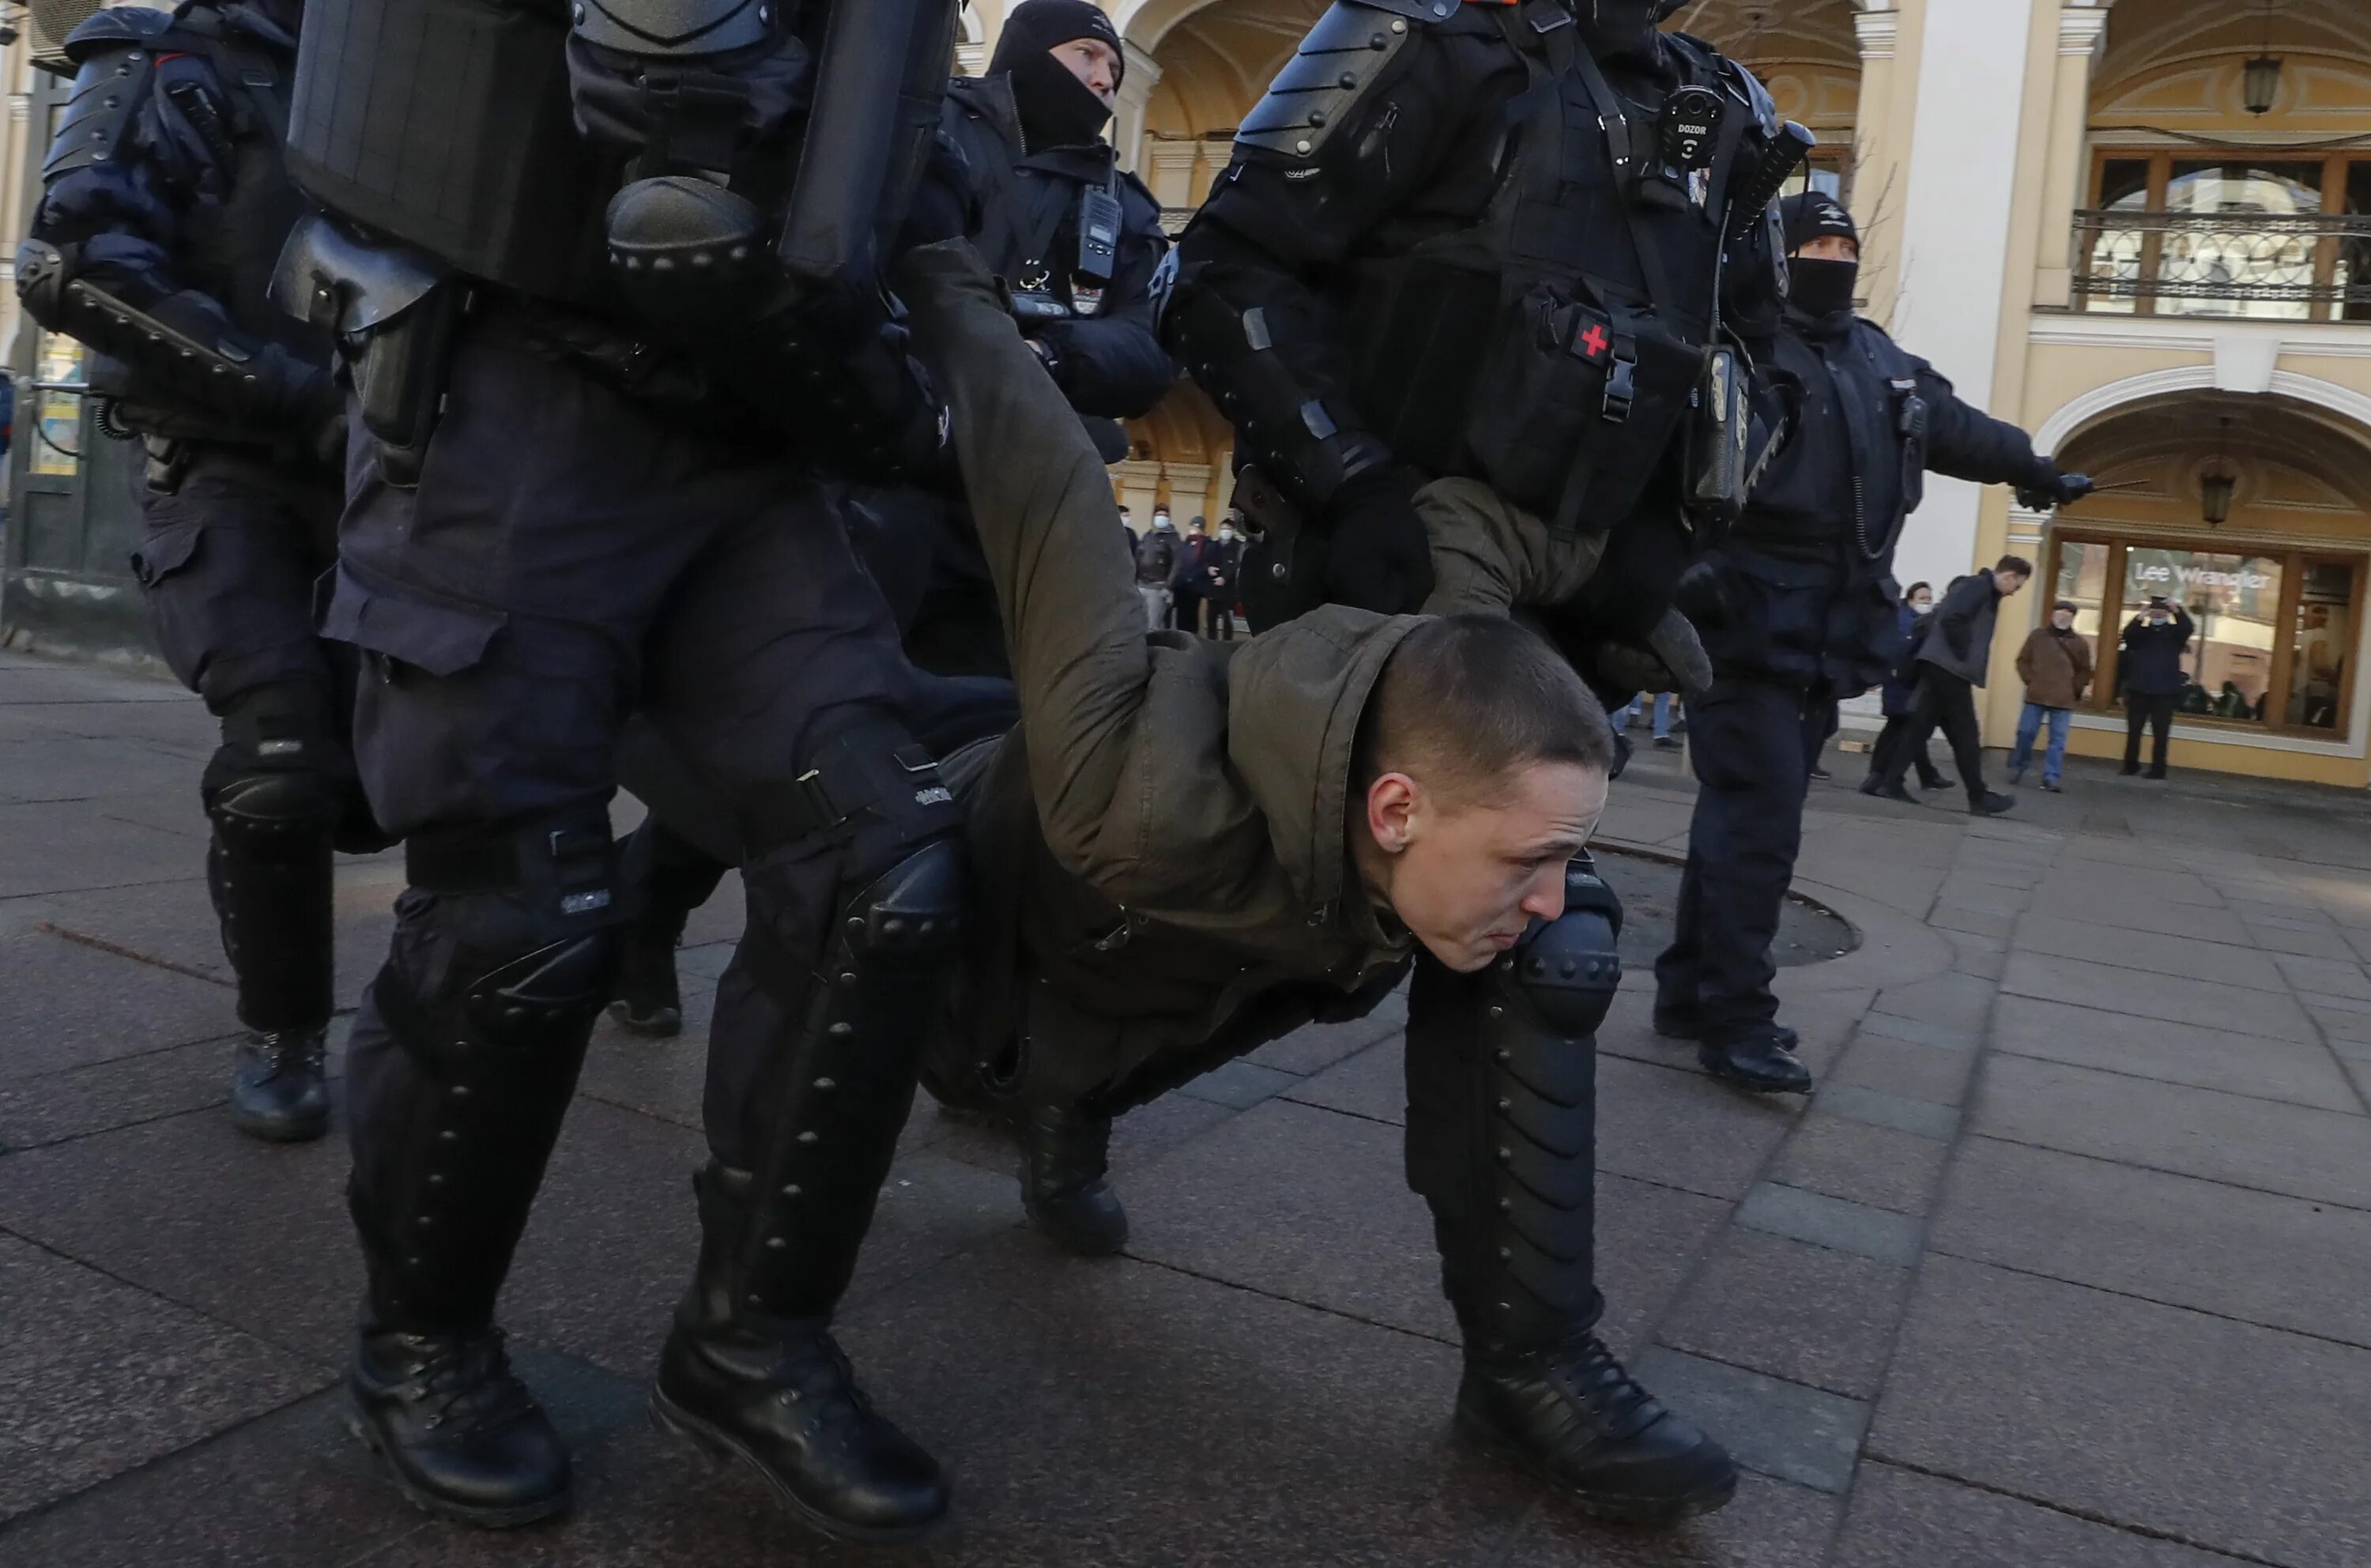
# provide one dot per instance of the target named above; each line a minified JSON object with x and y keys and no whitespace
{"x":1173,"y":169}
{"x":2082,"y":38}
{"x":1136,"y":85}
{"x":1138,"y":483}
{"x":1881,"y":157}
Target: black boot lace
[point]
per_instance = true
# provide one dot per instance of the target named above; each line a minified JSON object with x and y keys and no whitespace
{"x":1595,"y":1377}
{"x":291,"y":1051}
{"x":466,"y":1388}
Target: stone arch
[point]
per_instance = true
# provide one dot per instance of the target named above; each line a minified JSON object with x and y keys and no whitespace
{"x":2099,"y":405}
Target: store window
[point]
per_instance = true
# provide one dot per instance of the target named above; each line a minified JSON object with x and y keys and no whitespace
{"x":2273,"y":632}
{"x":57,"y":417}
{"x":2181,"y":231}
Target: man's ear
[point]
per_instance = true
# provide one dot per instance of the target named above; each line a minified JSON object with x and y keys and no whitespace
{"x":1393,"y":802}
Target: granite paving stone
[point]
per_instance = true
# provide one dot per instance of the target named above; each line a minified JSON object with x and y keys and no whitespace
{"x":73,"y":767}
{"x":1903,"y":1069}
{"x":1807,"y":1314}
{"x":2311,"y":1154}
{"x":2172,"y":997}
{"x":2154,"y":885}
{"x":1371,"y":1084}
{"x":1881,"y":1167}
{"x":1901,"y":1519}
{"x":2170,"y":1052}
{"x":1771,"y":1525}
{"x":81,"y":1100}
{"x":1993,"y":923}
{"x":1927,"y":1118}
{"x":1942,"y":1036}
{"x":1674,"y":1126}
{"x":1239,"y":1085}
{"x":2321,"y":942}
{"x":2209,"y":1456}
{"x":102,"y":1377}
{"x":69,"y":1005}
{"x":1317,"y":1046}
{"x":1769,"y":1425}
{"x":2099,"y":897}
{"x":2217,"y":963}
{"x":60,"y":847}
{"x":1835,"y":1223}
{"x":2286,"y":1262}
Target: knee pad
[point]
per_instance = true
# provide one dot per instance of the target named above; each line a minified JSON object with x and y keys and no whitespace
{"x":272,"y":816}
{"x":1567,"y":969}
{"x":518,"y":953}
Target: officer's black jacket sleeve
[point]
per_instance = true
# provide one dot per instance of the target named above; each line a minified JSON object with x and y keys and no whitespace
{"x":121,"y":220}
{"x":1111,"y":363}
{"x":1968,"y":444}
{"x":1275,"y":229}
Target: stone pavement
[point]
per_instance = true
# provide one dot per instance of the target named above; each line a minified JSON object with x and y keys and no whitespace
{"x":2067,"y":1264}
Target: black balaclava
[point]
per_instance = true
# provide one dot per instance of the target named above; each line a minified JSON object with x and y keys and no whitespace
{"x":1056,"y":109}
{"x":1819,"y":290}
{"x":1622,"y":27}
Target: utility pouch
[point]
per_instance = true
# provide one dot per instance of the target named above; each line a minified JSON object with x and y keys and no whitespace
{"x":1576,"y":403}
{"x":1719,"y":439}
{"x":168,"y":463}
{"x":395,"y":314}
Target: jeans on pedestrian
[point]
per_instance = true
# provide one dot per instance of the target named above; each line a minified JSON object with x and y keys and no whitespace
{"x":2029,"y":725}
{"x":1662,"y":714}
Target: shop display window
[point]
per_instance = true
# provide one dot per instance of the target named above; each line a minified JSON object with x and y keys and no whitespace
{"x":2273,"y":632}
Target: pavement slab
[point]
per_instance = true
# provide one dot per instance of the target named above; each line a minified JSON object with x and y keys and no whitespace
{"x":1771,"y":1525}
{"x":2170,"y":998}
{"x":102,"y":1377}
{"x":1902,"y":1520}
{"x":1773,"y":1427}
{"x":2285,"y":1262}
{"x":2217,"y":963}
{"x":68,"y":1004}
{"x":2320,"y":1155}
{"x":2061,"y":1394}
{"x":1904,"y":1069}
{"x":2171,"y":1052}
{"x":1881,"y":1167}
{"x":1806,"y":1314}
{"x":65,"y":845}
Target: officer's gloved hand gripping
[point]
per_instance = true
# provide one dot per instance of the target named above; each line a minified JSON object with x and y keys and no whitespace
{"x":2047,"y":487}
{"x":1379,"y":557}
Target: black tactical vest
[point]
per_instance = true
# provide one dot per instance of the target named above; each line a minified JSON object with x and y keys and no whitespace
{"x":1875,"y":445}
{"x":1559,"y":338}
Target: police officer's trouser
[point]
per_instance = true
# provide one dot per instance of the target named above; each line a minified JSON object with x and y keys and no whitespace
{"x":1746,"y":741}
{"x":234,"y":544}
{"x":565,"y":559}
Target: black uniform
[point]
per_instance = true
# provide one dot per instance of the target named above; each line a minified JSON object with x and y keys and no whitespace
{"x":1800,"y":612}
{"x":610,"y":339}
{"x":1088,"y":310}
{"x":1426,"y":262}
{"x":1088,"y":307}
{"x":166,"y":206}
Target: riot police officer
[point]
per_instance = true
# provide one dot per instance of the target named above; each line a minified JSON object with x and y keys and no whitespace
{"x":1474,"y":292}
{"x":1801,"y":610}
{"x":1078,"y":242}
{"x":167,"y":205}
{"x":618,"y":305}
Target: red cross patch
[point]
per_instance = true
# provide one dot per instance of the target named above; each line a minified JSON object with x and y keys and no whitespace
{"x":1594,"y":342}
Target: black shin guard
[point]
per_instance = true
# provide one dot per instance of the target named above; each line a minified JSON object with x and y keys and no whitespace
{"x":1502,"y":1124}
{"x":502,"y":959}
{"x":275,"y":797}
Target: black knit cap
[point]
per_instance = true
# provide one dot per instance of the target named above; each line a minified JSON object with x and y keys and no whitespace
{"x":1036,"y":26}
{"x":1814,"y":215}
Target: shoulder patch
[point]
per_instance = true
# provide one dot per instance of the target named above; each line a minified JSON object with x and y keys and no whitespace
{"x":1336,"y":65}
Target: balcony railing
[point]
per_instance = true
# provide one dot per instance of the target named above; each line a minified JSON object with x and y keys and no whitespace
{"x":2298,"y":267}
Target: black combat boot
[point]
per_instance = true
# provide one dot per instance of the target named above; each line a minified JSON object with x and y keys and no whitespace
{"x":278,"y":1091}
{"x":1502,"y":1143}
{"x":1762,"y":1060}
{"x":1064,"y":1156}
{"x":1992,"y":803}
{"x":777,"y":1393}
{"x":751,"y":1369}
{"x":650,"y":998}
{"x":455,"y":1428}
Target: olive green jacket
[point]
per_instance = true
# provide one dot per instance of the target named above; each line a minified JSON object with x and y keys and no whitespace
{"x":1161,"y":845}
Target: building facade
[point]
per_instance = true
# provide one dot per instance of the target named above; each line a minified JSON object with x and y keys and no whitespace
{"x":2140,"y":228}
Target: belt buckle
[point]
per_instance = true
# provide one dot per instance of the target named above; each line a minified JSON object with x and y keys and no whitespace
{"x":1621,"y":389}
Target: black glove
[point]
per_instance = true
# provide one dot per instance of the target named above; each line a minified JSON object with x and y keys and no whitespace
{"x":2046,"y":487}
{"x":1705,"y":594}
{"x":1670,"y":659}
{"x":1379,"y":556}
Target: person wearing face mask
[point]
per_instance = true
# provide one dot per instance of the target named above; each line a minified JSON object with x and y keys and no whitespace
{"x":1464,"y":292}
{"x":167,"y":203}
{"x":2055,"y":665}
{"x":1917,"y":603}
{"x":1221,"y":563}
{"x":1798,"y":611}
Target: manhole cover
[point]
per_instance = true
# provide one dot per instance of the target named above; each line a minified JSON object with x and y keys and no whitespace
{"x":1650,"y":885}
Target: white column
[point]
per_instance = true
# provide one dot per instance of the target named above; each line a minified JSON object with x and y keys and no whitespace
{"x":1136,"y":85}
{"x":1954,"y":255}
{"x":1173,"y":170}
{"x":2082,"y":38}
{"x":1140,"y":487}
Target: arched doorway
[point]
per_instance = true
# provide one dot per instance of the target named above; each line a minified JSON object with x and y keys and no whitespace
{"x":1806,"y":53}
{"x":2253,"y":512}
